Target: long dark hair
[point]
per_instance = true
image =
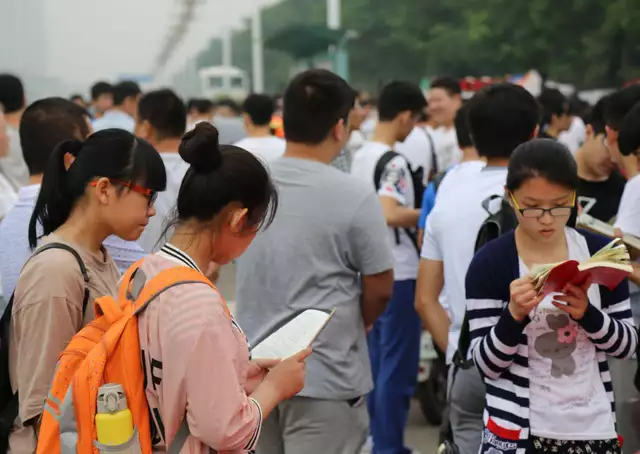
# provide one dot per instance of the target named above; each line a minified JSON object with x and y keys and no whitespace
{"x":220,"y":175}
{"x":112,"y":153}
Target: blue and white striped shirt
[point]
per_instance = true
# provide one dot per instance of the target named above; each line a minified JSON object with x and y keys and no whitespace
{"x":499,"y":344}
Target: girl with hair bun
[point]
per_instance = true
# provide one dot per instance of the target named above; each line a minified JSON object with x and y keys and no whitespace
{"x":91,"y":190}
{"x":192,"y":347}
{"x":544,"y":358}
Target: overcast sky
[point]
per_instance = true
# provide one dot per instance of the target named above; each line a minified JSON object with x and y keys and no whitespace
{"x":91,"y":39}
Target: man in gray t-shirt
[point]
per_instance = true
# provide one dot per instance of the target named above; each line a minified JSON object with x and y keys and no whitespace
{"x":327,"y":248}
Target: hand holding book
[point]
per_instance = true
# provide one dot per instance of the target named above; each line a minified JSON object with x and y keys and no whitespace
{"x":609,"y":266}
{"x":574,"y":300}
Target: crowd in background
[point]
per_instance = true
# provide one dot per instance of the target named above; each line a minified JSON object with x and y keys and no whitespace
{"x":326,"y":198}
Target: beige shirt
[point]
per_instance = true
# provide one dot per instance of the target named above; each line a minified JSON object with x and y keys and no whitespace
{"x":47,"y":313}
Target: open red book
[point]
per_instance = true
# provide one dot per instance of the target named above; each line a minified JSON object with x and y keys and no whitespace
{"x":608,"y":267}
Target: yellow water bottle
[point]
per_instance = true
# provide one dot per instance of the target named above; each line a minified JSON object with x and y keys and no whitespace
{"x":114,"y":422}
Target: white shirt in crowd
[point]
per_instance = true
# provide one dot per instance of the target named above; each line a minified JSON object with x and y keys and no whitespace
{"x":451,"y":231}
{"x":152,"y":238}
{"x":447,"y":148}
{"x":628,"y":219}
{"x":564,"y":370}
{"x":12,"y":166}
{"x":574,"y":137}
{"x":416,"y":148}
{"x":395,"y":183}
{"x":115,"y":119}
{"x":266,"y":148}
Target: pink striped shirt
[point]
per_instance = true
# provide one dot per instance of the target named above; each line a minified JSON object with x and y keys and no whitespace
{"x":196,"y":362}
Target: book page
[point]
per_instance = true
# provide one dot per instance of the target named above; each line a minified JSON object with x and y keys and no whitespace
{"x":294,"y":336}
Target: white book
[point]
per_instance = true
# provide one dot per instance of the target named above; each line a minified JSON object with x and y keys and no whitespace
{"x":292,"y":336}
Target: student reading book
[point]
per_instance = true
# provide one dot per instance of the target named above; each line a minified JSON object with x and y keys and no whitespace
{"x":196,"y":358}
{"x":608,"y":267}
{"x":544,"y":357}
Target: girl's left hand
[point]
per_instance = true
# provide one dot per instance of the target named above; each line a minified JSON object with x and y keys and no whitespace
{"x":258,"y":369}
{"x":576,"y":299}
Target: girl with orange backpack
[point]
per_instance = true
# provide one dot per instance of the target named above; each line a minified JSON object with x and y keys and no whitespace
{"x":195,"y":357}
{"x":103,"y":186}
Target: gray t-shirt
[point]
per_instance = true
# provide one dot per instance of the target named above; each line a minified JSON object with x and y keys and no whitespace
{"x":329,"y":228}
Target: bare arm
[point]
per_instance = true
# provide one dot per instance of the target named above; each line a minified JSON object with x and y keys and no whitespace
{"x":397,"y":215}
{"x":433,"y":315}
{"x":376,"y":293}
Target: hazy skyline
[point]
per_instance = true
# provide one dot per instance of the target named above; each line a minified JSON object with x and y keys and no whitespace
{"x":89,"y":40}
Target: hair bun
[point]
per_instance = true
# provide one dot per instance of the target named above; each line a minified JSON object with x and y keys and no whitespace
{"x":71,"y":146}
{"x":200,"y":148}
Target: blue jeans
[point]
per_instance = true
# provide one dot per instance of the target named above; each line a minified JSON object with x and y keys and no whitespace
{"x":394,"y":349}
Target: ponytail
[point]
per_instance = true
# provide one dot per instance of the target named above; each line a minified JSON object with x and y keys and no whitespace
{"x":111,"y":153}
{"x":54,"y":202}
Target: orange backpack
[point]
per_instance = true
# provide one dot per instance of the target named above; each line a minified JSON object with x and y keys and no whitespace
{"x":107,"y":350}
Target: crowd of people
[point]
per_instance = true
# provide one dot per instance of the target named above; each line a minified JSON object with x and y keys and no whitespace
{"x":369,"y":207}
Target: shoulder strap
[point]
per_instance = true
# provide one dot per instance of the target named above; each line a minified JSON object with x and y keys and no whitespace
{"x":385,"y":159}
{"x":83,"y":268}
{"x":434,"y":156}
{"x":167,"y":279}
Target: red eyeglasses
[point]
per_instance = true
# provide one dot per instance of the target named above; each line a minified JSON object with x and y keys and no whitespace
{"x":150,"y":195}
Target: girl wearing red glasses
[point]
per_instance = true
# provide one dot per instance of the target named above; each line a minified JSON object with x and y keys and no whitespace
{"x":544,"y":358}
{"x":91,"y":190}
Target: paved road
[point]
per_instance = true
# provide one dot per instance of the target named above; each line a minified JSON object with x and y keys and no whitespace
{"x":420,"y":436}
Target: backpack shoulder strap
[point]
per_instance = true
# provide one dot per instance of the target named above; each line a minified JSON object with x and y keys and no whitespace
{"x":167,"y":279}
{"x":434,"y":156}
{"x":83,"y":268}
{"x":385,"y":159}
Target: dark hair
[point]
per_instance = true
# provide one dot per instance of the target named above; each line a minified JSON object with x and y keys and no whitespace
{"x":596,"y":116}
{"x":462,"y":127}
{"x":260,"y":109}
{"x":546,"y":158}
{"x":76,"y":96}
{"x":398,"y":97}
{"x":552,"y":102}
{"x":230,"y":103}
{"x":449,"y":84}
{"x":100,"y":88}
{"x":123,"y":90}
{"x":629,"y":136}
{"x":202,"y":105}
{"x":501,"y":117}
{"x":111,"y":153}
{"x":314,"y":102}
{"x":46,"y":123}
{"x":220,"y":175}
{"x":619,"y":104}
{"x":165,"y":112}
{"x":11,"y":93}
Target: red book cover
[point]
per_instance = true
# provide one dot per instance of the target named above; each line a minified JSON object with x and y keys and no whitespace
{"x":571,"y":272}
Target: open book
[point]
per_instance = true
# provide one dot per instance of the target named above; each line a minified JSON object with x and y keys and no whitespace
{"x":596,"y":225}
{"x":608,"y":267}
{"x":292,"y":335}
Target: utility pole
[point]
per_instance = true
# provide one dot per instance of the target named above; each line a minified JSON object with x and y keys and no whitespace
{"x":257,"y":54}
{"x":338,"y":53}
{"x":227,"y":48}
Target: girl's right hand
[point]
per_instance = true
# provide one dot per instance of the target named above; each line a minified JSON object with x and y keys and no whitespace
{"x":524,"y":298}
{"x":287,"y":377}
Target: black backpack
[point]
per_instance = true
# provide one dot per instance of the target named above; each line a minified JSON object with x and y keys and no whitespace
{"x":496,"y":224}
{"x":9,"y":400}
{"x":417,"y":178}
